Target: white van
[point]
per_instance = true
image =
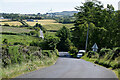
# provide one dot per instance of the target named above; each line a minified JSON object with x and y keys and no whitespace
{"x":80,"y":53}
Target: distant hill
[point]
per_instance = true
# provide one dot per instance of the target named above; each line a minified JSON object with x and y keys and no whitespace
{"x":64,"y":13}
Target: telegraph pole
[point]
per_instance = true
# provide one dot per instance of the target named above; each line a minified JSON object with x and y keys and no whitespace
{"x":87,"y":38}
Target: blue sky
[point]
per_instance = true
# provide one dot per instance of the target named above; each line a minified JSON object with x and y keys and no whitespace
{"x":42,"y":6}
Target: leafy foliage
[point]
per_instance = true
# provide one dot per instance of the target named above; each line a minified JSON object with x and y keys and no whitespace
{"x":64,"y":35}
{"x":40,"y":27}
{"x":49,"y":43}
{"x":103,"y":25}
{"x":73,"y":51}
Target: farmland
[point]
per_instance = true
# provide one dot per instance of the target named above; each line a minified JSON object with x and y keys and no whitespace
{"x":15,"y":30}
{"x":11,"y":23}
{"x":49,"y":24}
{"x":42,"y":22}
{"x":4,"y":19}
{"x":19,"y":38}
{"x":57,"y":26}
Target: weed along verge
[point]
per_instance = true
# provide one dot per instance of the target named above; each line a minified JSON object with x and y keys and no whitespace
{"x":17,"y":60}
{"x":108,"y":58}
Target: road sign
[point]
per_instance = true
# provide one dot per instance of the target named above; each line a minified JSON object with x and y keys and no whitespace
{"x":95,"y":47}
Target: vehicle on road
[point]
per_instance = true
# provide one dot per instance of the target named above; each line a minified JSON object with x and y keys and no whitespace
{"x":80,"y":53}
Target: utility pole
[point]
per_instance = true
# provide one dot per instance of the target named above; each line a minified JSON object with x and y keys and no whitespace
{"x":87,"y":38}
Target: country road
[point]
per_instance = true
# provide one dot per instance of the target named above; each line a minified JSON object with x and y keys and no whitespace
{"x":66,"y":67}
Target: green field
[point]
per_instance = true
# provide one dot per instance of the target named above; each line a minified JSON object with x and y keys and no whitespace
{"x":19,"y":38}
{"x":42,"y":22}
{"x":47,"y":23}
{"x":15,"y":30}
{"x":57,"y":26}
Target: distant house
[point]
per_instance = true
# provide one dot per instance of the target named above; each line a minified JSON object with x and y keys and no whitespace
{"x":1,"y":17}
{"x":30,"y":20}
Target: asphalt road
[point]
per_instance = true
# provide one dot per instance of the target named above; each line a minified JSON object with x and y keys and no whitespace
{"x":66,"y":67}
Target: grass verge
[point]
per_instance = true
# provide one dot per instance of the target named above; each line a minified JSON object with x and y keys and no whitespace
{"x":13,"y":71}
{"x":93,"y":61}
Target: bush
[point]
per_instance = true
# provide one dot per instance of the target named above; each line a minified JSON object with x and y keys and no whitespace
{"x":35,"y":43}
{"x":73,"y":51}
{"x":119,"y":73}
{"x":49,"y":43}
{"x":40,"y":27}
{"x":64,"y":35}
{"x":6,"y":24}
{"x":103,"y":51}
{"x":18,"y":43}
{"x":47,"y":53}
{"x":116,"y":52}
{"x":19,"y":54}
{"x":33,"y":32}
{"x":5,"y":41}
{"x":92,"y":54}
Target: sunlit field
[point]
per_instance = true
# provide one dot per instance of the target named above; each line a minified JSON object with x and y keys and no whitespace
{"x":57,"y":26}
{"x":12,"y":23}
{"x":4,"y":19}
{"x":42,"y":22}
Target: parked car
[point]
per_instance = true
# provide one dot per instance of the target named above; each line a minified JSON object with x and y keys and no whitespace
{"x":80,"y":53}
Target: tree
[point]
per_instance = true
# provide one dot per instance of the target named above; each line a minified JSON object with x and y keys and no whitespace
{"x":5,"y":41}
{"x":102,"y":22}
{"x":64,"y":35}
{"x":40,"y":27}
{"x":49,"y":43}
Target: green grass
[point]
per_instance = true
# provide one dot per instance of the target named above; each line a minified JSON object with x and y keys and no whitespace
{"x":93,"y":61}
{"x":18,"y":69}
{"x":19,"y":38}
{"x":0,"y":72}
{"x":51,"y":33}
{"x":57,"y":26}
{"x":15,"y":30}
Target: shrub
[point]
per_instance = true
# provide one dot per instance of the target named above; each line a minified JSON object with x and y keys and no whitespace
{"x":35,"y":43}
{"x":119,"y":73}
{"x":18,"y":43}
{"x":73,"y":51}
{"x":64,"y":35}
{"x":116,"y":52}
{"x":6,"y":24}
{"x":5,"y":41}
{"x":92,"y":54}
{"x":18,"y":54}
{"x":103,"y":51}
{"x":47,"y":53}
{"x":49,"y":43}
{"x":33,"y":32}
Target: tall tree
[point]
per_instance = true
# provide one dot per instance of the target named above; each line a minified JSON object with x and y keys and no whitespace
{"x":102,"y":23}
{"x":64,"y":35}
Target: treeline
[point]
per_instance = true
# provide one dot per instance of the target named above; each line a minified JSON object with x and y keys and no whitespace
{"x":65,"y":19}
{"x":19,"y":17}
{"x":104,"y":28}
